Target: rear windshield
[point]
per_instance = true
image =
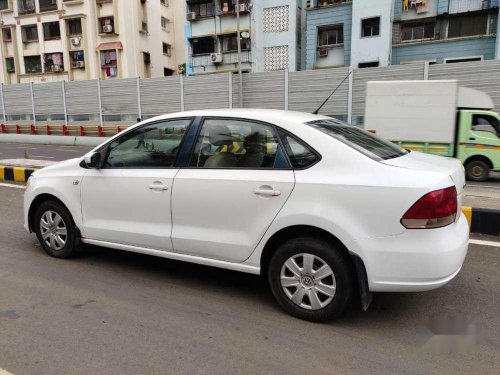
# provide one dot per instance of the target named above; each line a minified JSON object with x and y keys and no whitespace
{"x":359,"y":139}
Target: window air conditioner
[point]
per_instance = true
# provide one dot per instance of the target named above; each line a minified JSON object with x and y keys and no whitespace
{"x":216,"y":58}
{"x":107,"y":29}
{"x":323,"y":52}
{"x":75,"y":41}
{"x":191,"y":16}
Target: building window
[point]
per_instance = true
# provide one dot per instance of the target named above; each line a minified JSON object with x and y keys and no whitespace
{"x":75,"y":26}
{"x":276,"y":58}
{"x":202,"y":46}
{"x":203,"y":9}
{"x":165,"y":24}
{"x":468,"y":25}
{"x":164,"y":2}
{"x":7,"y":35}
{"x":53,"y":62}
{"x":9,"y":63}
{"x":417,"y":31}
{"x":77,"y":59}
{"x":276,"y":19}
{"x":330,"y":35}
{"x":47,"y":5}
{"x":51,"y":31}
{"x":462,"y":59}
{"x":32,"y":64}
{"x":371,"y":64}
{"x":167,"y":49}
{"x":30,"y":33}
{"x":168,"y":72}
{"x":229,"y":6}
{"x":26,"y":6}
{"x":106,"y":25}
{"x":4,"y":4}
{"x":109,"y":62}
{"x":370,"y":27}
{"x":230,"y":43}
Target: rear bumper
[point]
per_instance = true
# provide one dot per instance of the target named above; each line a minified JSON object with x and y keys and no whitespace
{"x":416,"y":260}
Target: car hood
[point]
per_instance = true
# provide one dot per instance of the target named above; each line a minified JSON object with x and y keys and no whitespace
{"x":432,"y":163}
{"x":70,"y":164}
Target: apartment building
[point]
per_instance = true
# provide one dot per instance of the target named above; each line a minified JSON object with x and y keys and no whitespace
{"x":369,"y":33}
{"x":56,"y":40}
{"x":270,"y":35}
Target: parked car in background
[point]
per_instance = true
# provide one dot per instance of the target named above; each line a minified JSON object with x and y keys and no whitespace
{"x":437,"y":117}
{"x":320,"y":208}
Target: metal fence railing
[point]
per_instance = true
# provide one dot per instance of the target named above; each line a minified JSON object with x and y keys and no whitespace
{"x":101,"y":108}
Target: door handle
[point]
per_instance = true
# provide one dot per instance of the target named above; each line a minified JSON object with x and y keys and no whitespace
{"x":158,"y":187}
{"x":267,"y":192}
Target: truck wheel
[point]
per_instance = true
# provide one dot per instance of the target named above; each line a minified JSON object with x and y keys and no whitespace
{"x":477,"y":170}
{"x":311,"y":279}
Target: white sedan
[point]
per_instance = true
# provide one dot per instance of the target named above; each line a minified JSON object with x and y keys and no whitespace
{"x":323,"y":209}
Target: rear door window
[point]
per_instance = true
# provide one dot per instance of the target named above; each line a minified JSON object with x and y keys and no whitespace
{"x":300,"y":155}
{"x":359,"y":139}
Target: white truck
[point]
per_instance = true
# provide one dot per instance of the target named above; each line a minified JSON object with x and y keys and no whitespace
{"x":437,"y":117}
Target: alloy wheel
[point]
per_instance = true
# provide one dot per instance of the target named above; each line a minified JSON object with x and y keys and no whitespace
{"x":308,"y":281}
{"x":53,"y":230}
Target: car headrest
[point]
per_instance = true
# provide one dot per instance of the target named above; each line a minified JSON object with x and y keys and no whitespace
{"x":254,"y":142}
{"x":220,"y":135}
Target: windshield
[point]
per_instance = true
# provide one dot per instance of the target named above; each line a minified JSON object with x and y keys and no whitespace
{"x":359,"y":139}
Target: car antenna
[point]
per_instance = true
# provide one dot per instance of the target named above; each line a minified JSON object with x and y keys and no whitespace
{"x":333,"y":92}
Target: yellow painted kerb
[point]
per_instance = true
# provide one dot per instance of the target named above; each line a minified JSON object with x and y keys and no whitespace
{"x":19,"y":174}
{"x":468,"y":213}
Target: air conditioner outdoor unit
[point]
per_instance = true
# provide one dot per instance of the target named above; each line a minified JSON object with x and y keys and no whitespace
{"x":191,"y":16}
{"x":323,"y":52}
{"x":78,"y":64}
{"x":56,"y":68}
{"x":244,"y":7}
{"x":75,"y":41}
{"x":216,"y":58}
{"x":107,"y":29}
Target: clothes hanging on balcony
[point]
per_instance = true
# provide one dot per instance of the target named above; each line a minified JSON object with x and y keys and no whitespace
{"x":422,"y":6}
{"x":406,"y":4}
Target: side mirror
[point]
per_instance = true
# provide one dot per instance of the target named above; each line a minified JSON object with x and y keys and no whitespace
{"x":93,"y":160}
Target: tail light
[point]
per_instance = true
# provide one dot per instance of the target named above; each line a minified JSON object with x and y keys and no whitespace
{"x":434,"y":210}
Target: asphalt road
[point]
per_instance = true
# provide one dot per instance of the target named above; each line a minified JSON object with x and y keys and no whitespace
{"x":112,"y":312}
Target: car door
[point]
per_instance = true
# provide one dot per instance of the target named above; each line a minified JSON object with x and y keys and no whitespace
{"x":484,"y":135}
{"x":128,"y":200}
{"x":237,"y":181}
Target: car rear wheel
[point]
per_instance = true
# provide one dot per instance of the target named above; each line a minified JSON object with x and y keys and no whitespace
{"x":477,"y":170}
{"x":56,"y":230}
{"x":311,"y":279}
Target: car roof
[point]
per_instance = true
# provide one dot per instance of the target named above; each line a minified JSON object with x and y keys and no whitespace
{"x":267,"y":115}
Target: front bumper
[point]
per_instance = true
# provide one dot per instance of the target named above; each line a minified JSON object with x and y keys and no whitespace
{"x":416,"y":260}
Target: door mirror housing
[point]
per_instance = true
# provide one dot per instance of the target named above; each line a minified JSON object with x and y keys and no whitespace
{"x":94,"y":160}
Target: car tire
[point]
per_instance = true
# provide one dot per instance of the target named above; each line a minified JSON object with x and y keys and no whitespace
{"x":56,"y":230}
{"x":477,"y":170}
{"x":306,"y":296}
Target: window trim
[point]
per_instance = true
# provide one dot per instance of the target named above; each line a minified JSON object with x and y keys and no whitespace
{"x":327,"y":28}
{"x":361,"y":36}
{"x":105,"y":147}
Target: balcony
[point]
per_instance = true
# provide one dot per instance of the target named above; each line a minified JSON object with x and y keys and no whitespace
{"x":227,"y":58}
{"x":462,"y":6}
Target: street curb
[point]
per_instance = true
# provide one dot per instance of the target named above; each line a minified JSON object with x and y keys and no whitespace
{"x":481,"y":220}
{"x":18,"y":174}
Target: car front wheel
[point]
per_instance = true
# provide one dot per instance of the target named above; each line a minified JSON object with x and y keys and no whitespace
{"x":311,"y":279}
{"x":56,"y":230}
